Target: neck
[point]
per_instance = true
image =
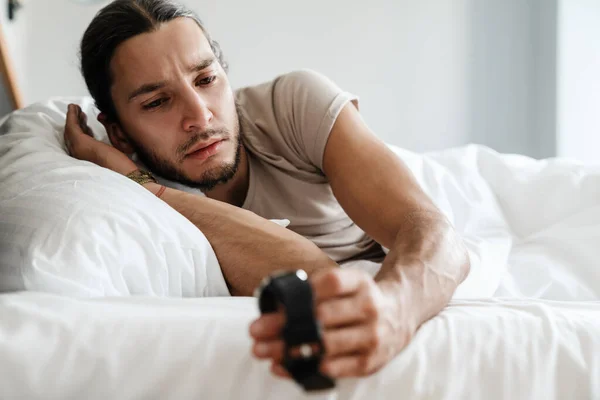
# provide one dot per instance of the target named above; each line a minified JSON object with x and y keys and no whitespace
{"x":235,"y":190}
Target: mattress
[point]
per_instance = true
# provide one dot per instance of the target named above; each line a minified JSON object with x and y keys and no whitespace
{"x":56,"y":347}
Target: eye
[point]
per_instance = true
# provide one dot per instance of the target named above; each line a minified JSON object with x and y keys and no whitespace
{"x":154,"y":104}
{"x":206,"y":81}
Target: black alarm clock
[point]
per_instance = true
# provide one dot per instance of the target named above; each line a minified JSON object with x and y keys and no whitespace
{"x":304,"y":349}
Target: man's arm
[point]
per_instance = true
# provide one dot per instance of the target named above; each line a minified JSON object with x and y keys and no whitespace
{"x":248,"y":246}
{"x":367,"y":321}
{"x":427,"y":259}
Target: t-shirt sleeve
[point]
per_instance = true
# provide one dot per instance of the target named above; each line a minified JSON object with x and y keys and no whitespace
{"x":306,"y":105}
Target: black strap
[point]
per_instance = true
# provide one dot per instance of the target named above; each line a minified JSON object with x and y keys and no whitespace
{"x":301,"y":327}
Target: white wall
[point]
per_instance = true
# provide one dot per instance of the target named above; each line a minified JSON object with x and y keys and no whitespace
{"x":43,"y":40}
{"x":430,"y":74}
{"x":579,"y":80}
{"x":405,"y":59}
{"x":500,"y":91}
{"x":543,"y":77}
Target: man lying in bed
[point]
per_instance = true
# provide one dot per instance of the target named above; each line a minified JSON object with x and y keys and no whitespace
{"x":296,"y":148}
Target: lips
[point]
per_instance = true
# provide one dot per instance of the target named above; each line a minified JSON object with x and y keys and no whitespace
{"x":206,"y":150}
{"x":201,"y":146}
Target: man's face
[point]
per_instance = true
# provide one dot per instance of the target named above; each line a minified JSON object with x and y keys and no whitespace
{"x":175,"y":105}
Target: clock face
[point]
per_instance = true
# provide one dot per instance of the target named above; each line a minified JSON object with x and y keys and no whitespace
{"x":301,"y":274}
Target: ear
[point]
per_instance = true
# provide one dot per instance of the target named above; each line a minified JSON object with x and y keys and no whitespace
{"x":116,"y":135}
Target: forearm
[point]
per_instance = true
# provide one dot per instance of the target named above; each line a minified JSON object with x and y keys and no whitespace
{"x":425,"y":265}
{"x":247,"y":246}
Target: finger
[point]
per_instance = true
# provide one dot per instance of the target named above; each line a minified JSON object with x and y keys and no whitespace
{"x":75,"y":121}
{"x":342,"y":311}
{"x":68,"y":145}
{"x":72,"y":116}
{"x":337,"y":282}
{"x":275,"y":350}
{"x":364,"y":305}
{"x":272,"y":349}
{"x":82,"y":117}
{"x":70,"y":124}
{"x":72,"y":128}
{"x":277,"y":369}
{"x":351,"y":366}
{"x":268,"y":326}
{"x":83,"y":122}
{"x":355,"y":339}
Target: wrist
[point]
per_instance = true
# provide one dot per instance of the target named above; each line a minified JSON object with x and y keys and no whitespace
{"x":401,"y":297}
{"x":147,"y":180}
{"x":154,"y":188}
{"x":140,"y":176}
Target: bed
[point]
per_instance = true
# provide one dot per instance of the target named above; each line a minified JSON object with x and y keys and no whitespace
{"x":104,"y":301}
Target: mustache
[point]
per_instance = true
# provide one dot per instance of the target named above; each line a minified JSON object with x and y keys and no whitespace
{"x":201,"y":137}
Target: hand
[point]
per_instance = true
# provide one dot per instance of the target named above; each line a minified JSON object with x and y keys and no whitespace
{"x":363,"y":328}
{"x":81,"y":144}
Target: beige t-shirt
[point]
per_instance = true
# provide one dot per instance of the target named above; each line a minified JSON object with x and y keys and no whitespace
{"x":285,"y":126}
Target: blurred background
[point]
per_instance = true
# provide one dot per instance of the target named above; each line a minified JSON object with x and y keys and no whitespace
{"x":520,"y":76}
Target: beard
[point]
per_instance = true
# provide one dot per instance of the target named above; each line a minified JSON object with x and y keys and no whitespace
{"x":210,"y":179}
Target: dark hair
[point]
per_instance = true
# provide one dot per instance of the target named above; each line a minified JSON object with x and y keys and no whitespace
{"x":116,"y":23}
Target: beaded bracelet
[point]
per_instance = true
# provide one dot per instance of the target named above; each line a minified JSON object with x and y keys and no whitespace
{"x":141,"y":177}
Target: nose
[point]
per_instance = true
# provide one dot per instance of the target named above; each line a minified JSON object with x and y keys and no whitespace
{"x":196,"y":113}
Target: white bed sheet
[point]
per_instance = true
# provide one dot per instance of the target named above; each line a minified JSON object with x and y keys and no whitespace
{"x":55,"y":347}
{"x":532,"y":226}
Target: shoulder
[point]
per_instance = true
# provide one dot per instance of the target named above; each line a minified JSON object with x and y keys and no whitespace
{"x":292,"y":114}
{"x":289,"y":83}
{"x":303,"y":78}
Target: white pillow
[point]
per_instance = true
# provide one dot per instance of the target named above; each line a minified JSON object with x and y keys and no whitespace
{"x":71,"y":227}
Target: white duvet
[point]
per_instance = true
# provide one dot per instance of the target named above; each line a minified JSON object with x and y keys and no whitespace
{"x":525,"y":324}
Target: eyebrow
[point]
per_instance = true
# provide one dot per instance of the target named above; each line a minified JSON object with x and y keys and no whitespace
{"x":151,"y":87}
{"x":202,"y":65}
{"x":147,"y":88}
